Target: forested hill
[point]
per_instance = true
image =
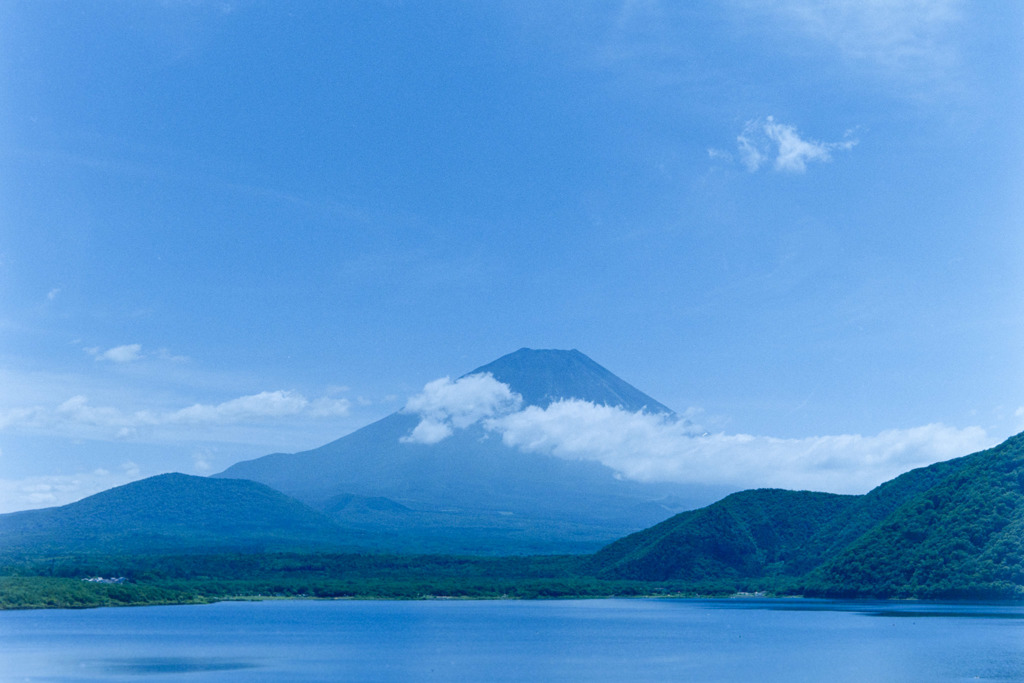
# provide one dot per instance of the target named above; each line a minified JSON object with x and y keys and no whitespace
{"x":174,"y":513}
{"x":748,"y":534}
{"x":954,"y":529}
{"x":962,"y":537}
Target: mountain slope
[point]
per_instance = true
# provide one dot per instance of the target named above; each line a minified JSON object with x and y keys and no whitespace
{"x":953,"y":529}
{"x":542,"y":376}
{"x":174,"y":513}
{"x":964,"y":536}
{"x":472,"y":493}
{"x":748,"y":534}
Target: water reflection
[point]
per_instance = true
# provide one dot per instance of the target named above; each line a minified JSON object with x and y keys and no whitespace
{"x":169,"y":665}
{"x":874,"y":608}
{"x":513,"y":641}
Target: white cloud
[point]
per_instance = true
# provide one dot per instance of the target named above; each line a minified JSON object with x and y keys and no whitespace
{"x":21,"y":417}
{"x":721,"y":154}
{"x":77,"y":409}
{"x":48,"y":491}
{"x":768,"y":140}
{"x":119,"y":354}
{"x":652,"y":447}
{"x":444,"y":405}
{"x":52,"y":294}
{"x":128,"y":353}
{"x":123,"y":354}
{"x":165,"y":354}
{"x":201,"y":463}
{"x":78,"y":417}
{"x":750,"y":153}
{"x":266,"y":404}
{"x":657,"y":447}
{"x":908,"y":38}
{"x":428,"y":431}
{"x":570,"y":427}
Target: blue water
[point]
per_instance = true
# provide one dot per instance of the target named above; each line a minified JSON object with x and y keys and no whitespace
{"x":572,"y":640}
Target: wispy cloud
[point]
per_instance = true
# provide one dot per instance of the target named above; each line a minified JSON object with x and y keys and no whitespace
{"x":908,"y":38}
{"x":119,"y":354}
{"x":201,"y":463}
{"x":766,"y":141}
{"x":129,"y":353}
{"x":76,"y":416}
{"x":48,"y":491}
{"x":657,"y":447}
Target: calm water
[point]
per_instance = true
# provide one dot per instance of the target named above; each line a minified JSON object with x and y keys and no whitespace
{"x":575,"y":640}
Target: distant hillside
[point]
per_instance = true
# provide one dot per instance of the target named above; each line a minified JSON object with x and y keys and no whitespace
{"x":174,"y":513}
{"x":954,"y":529}
{"x":470,"y":493}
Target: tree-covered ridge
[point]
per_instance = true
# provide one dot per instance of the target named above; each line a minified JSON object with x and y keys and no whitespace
{"x":756,"y":533}
{"x":963,"y":536}
{"x":870,"y":510}
{"x":954,"y":529}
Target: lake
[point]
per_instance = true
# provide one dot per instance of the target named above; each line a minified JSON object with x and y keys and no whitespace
{"x":563,"y":640}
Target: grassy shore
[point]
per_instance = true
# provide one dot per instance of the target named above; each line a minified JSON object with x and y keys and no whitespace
{"x":65,"y":593}
{"x":59,"y":582}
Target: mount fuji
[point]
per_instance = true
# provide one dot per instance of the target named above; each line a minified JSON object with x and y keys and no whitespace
{"x":437,"y":479}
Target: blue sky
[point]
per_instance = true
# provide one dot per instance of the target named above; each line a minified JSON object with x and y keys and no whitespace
{"x":233,"y":228}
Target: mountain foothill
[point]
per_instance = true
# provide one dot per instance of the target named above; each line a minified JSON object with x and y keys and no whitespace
{"x":953,"y":529}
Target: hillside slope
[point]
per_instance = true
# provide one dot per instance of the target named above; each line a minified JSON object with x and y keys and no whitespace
{"x":748,"y":534}
{"x":174,"y":513}
{"x":953,"y":529}
{"x":964,"y":536}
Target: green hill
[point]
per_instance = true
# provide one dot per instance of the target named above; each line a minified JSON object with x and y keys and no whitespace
{"x":954,"y":529}
{"x":174,"y":513}
{"x":963,"y":536}
{"x":748,"y":534}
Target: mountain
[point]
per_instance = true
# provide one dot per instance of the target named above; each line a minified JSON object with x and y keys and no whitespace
{"x":953,"y":529}
{"x":174,"y":513}
{"x":470,"y":493}
{"x":542,"y":376}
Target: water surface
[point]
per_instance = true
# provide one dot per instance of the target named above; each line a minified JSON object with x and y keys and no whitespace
{"x":565,"y":640}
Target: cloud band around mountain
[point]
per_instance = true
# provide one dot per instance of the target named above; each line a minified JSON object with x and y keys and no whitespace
{"x":658,"y":447}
